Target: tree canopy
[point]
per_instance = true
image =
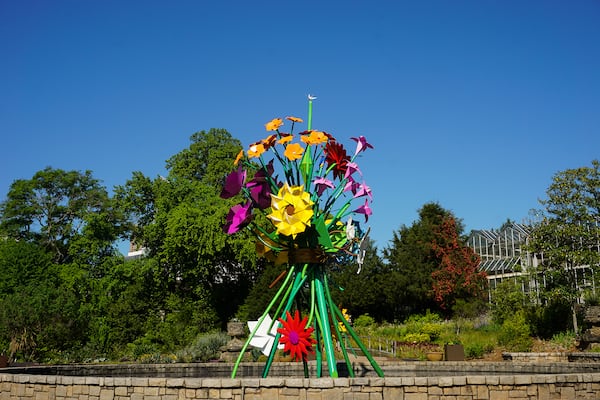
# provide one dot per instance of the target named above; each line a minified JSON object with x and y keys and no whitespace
{"x":567,"y":237}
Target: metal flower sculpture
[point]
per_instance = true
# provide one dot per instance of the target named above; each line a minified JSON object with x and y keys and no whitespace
{"x":307,"y":222}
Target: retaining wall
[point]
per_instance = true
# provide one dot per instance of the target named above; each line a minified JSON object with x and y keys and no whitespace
{"x":45,"y":387}
{"x":430,"y":380}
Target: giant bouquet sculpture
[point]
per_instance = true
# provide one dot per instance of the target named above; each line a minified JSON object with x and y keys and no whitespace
{"x":303,"y":220}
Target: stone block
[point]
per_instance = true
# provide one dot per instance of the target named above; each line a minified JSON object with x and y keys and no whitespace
{"x":321,"y":383}
{"x":272,"y":382}
{"x":107,"y":394}
{"x":392,"y":393}
{"x":175,"y":382}
{"x":416,"y":396}
{"x":519,"y":394}
{"x":375,"y":396}
{"x":269,"y":394}
{"x":121,"y":391}
{"x":498,"y":395}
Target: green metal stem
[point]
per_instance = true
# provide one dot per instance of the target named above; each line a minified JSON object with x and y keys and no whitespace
{"x":359,"y":342}
{"x":327,"y":340}
{"x":337,"y":331}
{"x":298,"y":282}
{"x":260,"y":321}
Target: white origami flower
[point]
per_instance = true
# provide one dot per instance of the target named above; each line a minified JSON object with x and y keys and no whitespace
{"x":263,"y":339}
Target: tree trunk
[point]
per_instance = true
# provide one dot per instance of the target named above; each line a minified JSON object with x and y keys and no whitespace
{"x":574,"y":315}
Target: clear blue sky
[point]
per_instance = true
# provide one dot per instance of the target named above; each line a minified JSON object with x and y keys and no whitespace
{"x":471,"y":104}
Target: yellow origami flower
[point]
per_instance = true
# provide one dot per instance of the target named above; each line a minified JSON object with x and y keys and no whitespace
{"x":293,"y":151}
{"x":274,"y":124}
{"x":347,"y":317}
{"x":291,"y":210}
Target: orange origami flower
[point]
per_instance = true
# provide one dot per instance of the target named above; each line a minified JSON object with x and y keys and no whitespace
{"x":238,"y":158}
{"x":294,"y":119}
{"x":293,"y":151}
{"x":274,"y":124}
{"x":285,"y":138}
{"x":295,"y":337}
{"x":269,"y":141}
{"x":256,"y":150}
{"x":314,"y":137}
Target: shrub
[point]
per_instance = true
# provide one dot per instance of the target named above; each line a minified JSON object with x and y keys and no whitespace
{"x":416,"y":338}
{"x":515,"y":333}
{"x":364,"y":321}
{"x":204,"y":348}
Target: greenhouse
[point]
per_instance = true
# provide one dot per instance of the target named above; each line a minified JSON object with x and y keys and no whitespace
{"x":503,"y":257}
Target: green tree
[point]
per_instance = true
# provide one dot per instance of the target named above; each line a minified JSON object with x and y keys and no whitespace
{"x":369,"y":292}
{"x":412,"y":260}
{"x":568,"y":235}
{"x":179,"y":219}
{"x":58,"y":209}
{"x":35,"y":314}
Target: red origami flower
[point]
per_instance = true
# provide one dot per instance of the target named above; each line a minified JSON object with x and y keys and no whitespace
{"x":336,"y":154}
{"x":295,"y":337}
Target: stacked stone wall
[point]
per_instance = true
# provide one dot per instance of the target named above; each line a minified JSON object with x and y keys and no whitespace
{"x":479,"y":387}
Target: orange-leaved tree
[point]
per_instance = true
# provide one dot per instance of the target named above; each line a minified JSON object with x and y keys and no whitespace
{"x":457,"y":276}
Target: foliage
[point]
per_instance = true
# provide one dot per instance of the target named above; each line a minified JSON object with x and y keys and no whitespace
{"x":515,"y":333}
{"x":370,"y":291}
{"x":457,"y":277}
{"x":567,"y":234}
{"x":478,"y":340}
{"x":35,"y":314}
{"x":550,"y":318}
{"x":204,"y":348}
{"x":364,"y":321}
{"x":508,"y":298}
{"x":179,"y":220}
{"x":432,"y":263}
{"x":57,"y":209}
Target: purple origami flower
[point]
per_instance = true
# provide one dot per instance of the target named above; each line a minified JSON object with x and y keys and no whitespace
{"x":233,"y":183}
{"x":361,"y":144}
{"x":259,"y":187}
{"x":365,"y":209}
{"x":322,"y":183}
{"x":238,"y":217}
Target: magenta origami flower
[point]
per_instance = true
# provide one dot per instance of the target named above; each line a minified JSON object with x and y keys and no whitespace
{"x":361,"y":144}
{"x":238,"y":217}
{"x":364,"y":209}
{"x":233,"y":183}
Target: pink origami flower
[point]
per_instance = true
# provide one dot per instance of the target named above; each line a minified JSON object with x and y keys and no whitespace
{"x":352,"y":168}
{"x":238,"y":217}
{"x":351,"y":185}
{"x":361,"y":144}
{"x":322,"y":184}
{"x":363,"y":190}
